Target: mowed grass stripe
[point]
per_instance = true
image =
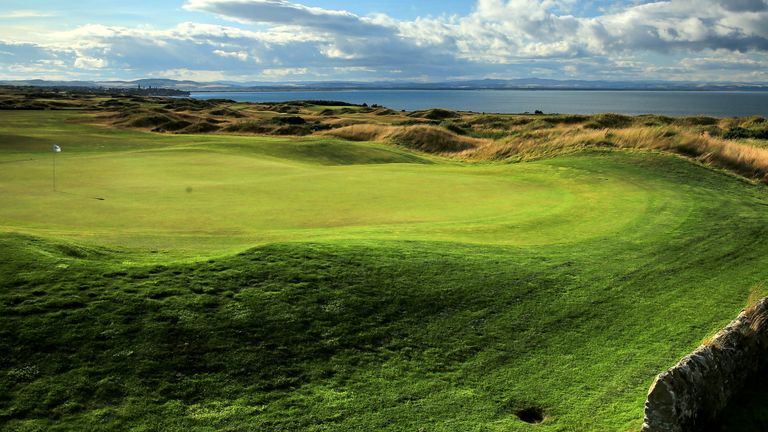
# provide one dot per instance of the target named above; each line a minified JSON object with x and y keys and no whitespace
{"x":176,"y":192}
{"x":183,"y":193}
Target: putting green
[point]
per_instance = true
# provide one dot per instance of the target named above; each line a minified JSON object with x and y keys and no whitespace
{"x":197,"y":194}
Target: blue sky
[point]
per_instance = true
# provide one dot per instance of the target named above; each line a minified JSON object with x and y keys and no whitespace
{"x":427,"y":40}
{"x":118,"y":12}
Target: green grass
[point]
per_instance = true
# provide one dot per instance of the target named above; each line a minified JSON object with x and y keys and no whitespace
{"x":299,"y":286}
{"x":215,"y":194}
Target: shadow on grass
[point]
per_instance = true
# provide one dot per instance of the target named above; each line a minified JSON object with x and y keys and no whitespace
{"x":749,"y":411}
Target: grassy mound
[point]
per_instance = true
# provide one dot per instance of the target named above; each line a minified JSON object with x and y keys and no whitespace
{"x":608,"y":121}
{"x":148,"y":120}
{"x":361,"y":132}
{"x":255,"y":127}
{"x":224,"y":112}
{"x":289,"y":120}
{"x":430,"y":139}
{"x":697,"y":121}
{"x":172,"y":126}
{"x":435,"y":114}
{"x":192,"y":104}
{"x":760,"y":132}
{"x":200,"y":127}
{"x":383,"y":112}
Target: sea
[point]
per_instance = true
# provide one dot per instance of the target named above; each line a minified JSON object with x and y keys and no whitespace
{"x":670,"y":103}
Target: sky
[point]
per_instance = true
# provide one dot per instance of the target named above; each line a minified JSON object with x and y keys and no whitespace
{"x":401,"y":40}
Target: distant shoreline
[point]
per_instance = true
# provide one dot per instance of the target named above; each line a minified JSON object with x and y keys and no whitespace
{"x":672,"y":102}
{"x":601,"y":89}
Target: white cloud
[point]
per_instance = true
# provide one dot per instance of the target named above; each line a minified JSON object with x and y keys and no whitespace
{"x":284,"y":72}
{"x":506,"y":38}
{"x":85,"y":62}
{"x":284,"y":12}
{"x":333,"y":52}
{"x":353,"y":69}
{"x":25,"y":14}
{"x":194,"y":75}
{"x":240,"y":55}
{"x":686,"y":25}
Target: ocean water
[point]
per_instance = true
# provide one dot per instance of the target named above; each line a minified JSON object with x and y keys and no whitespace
{"x":671,"y":103}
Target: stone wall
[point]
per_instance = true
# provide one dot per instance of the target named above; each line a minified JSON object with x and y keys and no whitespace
{"x":690,"y":395}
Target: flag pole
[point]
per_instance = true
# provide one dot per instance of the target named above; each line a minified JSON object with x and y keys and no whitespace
{"x":54,"y":171}
{"x":55,"y":149}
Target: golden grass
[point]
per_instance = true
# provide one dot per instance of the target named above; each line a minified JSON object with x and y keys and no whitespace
{"x":456,"y":134}
{"x":479,"y":136}
{"x":361,"y":132}
{"x":432,"y":139}
{"x":759,"y":316}
{"x":712,"y":340}
{"x":488,"y":137}
{"x":747,"y":160}
{"x":757,"y":293}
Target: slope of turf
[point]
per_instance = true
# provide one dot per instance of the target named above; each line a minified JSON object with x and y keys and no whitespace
{"x":400,"y":296}
{"x":213,"y":194}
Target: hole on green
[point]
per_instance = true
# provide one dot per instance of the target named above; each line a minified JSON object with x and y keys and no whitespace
{"x":531,"y":415}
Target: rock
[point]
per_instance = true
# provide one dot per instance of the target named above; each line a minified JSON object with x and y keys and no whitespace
{"x":691,"y":394}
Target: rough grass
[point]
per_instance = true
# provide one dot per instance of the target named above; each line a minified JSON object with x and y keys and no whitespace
{"x":759,"y":317}
{"x":534,"y":137}
{"x":608,"y":121}
{"x":747,"y":160}
{"x":430,"y":139}
{"x":147,"y":120}
{"x":435,"y":114}
{"x":735,"y":144}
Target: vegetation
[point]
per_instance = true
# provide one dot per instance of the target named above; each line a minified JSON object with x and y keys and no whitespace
{"x":225,"y":281}
{"x":735,"y":144}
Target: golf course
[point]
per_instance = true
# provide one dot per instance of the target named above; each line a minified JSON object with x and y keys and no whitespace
{"x":347,"y":279}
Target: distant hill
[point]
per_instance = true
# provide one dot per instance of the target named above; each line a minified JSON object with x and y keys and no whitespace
{"x":512,"y":84}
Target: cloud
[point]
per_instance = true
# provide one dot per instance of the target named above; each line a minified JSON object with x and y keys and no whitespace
{"x":187,"y":46}
{"x":25,"y":14}
{"x":286,"y":13}
{"x":340,"y":35}
{"x":685,"y":25}
{"x":504,"y":31}
{"x":745,"y":5}
{"x":284,"y":72}
{"x":85,"y":62}
{"x":193,"y":75}
{"x":240,"y":55}
{"x":280,"y":39}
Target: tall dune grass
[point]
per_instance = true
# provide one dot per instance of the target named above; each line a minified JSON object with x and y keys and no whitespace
{"x":530,"y":142}
{"x":758,"y":315}
{"x":487,"y":137}
{"x":747,"y":160}
{"x":426,"y":138}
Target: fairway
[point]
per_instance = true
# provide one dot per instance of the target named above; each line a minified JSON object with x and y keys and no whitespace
{"x":193,"y":194}
{"x":222,"y":282}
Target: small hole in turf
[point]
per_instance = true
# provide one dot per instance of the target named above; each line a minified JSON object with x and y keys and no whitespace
{"x":531,"y":415}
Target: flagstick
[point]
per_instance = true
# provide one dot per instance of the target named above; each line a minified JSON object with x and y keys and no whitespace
{"x":54,"y":171}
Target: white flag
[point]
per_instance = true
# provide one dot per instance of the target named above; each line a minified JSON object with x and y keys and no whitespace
{"x":56,"y":148}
